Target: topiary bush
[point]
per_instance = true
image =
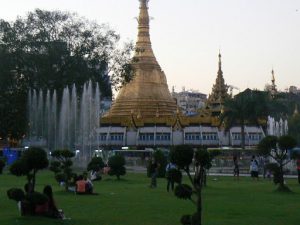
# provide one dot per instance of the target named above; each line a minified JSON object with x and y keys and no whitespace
{"x":96,"y":164}
{"x":183,"y":191}
{"x":116,"y":164}
{"x":16,"y":194}
{"x":62,"y":166}
{"x":32,"y":160}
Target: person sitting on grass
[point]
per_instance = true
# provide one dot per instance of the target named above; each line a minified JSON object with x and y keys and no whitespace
{"x":49,"y":208}
{"x":88,"y":184}
{"x":80,"y":185}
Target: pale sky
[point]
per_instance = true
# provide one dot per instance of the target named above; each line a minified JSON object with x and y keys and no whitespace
{"x":253,"y":35}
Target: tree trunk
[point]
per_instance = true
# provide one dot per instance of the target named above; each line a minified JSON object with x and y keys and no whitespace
{"x":33,"y":180}
{"x":281,"y":179}
{"x":199,"y":206}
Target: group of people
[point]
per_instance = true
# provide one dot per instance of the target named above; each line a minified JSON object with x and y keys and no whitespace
{"x":83,"y":185}
{"x":154,"y":167}
{"x":46,"y":208}
{"x":254,"y":168}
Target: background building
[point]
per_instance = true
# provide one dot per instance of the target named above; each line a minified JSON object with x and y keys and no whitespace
{"x":189,"y":101}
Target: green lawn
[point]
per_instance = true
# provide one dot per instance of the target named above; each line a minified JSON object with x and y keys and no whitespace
{"x":132,"y":202}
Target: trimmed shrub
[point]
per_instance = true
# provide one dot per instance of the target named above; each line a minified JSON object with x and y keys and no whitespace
{"x":16,"y":194}
{"x":116,"y":164}
{"x":96,"y":164}
{"x":183,"y":191}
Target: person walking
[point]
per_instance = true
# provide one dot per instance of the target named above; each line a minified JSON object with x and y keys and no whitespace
{"x":153,"y":172}
{"x":170,"y":181}
{"x":236,"y":169}
{"x":254,"y":168}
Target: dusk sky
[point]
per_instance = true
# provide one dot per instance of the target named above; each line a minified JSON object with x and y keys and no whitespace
{"x":186,"y":35}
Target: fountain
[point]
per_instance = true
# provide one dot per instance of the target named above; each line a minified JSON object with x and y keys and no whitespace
{"x":277,"y":128}
{"x":69,"y":123}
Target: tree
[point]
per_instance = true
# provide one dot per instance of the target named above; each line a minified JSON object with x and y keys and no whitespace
{"x":116,"y":164}
{"x":32,"y":160}
{"x":182,"y":156}
{"x":247,"y":107}
{"x":277,"y":148}
{"x":161,"y":160}
{"x":96,"y":164}
{"x":61,"y":166}
{"x":294,"y":127}
{"x":51,"y":50}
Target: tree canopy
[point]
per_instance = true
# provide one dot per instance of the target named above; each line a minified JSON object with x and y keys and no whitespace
{"x":51,"y":50}
{"x":32,"y":160}
{"x":246,"y":107}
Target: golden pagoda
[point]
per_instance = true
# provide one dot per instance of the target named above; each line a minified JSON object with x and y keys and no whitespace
{"x":146,"y":98}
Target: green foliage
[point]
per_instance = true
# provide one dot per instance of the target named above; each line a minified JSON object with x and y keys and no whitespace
{"x":16,"y":194}
{"x":96,"y":164}
{"x":62,"y":166}
{"x":183,"y":191}
{"x":31,"y":161}
{"x":274,"y":168}
{"x":286,"y":142}
{"x":19,"y":168}
{"x":294,"y":127}
{"x":182,"y":156}
{"x":35,"y":158}
{"x":117,"y":166}
{"x":51,"y":50}
{"x":246,"y":107}
{"x":161,"y":159}
{"x":277,"y":148}
{"x":266,"y":145}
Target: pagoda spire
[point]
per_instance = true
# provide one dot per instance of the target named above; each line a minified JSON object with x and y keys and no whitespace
{"x":273,"y":85}
{"x":220,"y":72}
{"x":220,"y":89}
{"x":143,"y":48}
{"x":273,"y":77}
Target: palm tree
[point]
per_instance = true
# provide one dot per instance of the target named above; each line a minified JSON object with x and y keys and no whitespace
{"x":246,"y":107}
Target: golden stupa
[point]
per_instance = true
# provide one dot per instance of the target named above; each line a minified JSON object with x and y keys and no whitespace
{"x":146,"y":97}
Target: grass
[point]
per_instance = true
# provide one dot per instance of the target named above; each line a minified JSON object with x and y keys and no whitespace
{"x":131,"y":202}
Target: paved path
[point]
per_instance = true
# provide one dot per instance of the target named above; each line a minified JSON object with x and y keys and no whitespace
{"x":140,"y":169}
